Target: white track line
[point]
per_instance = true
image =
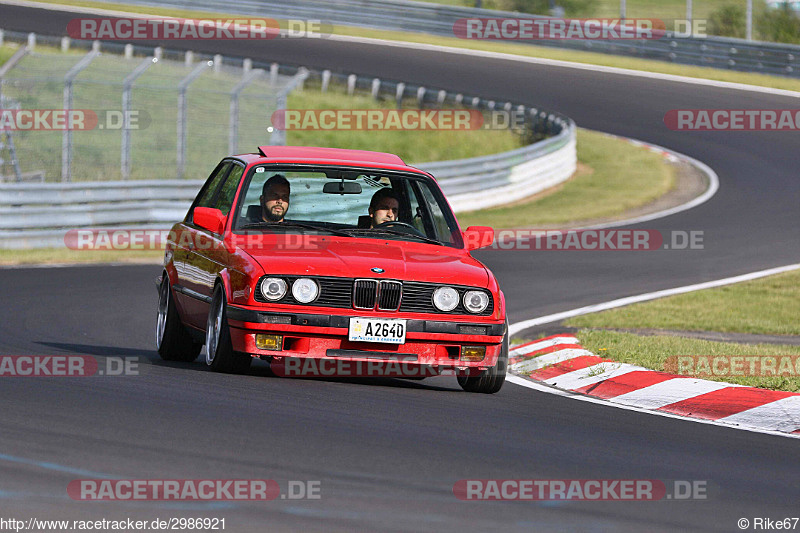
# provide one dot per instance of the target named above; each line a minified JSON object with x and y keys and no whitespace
{"x":517,"y":380}
{"x":525,"y":324}
{"x":464,"y":51}
{"x":713,"y":187}
{"x":776,"y":412}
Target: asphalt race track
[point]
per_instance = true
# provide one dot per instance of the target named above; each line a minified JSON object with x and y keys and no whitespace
{"x":388,"y":452}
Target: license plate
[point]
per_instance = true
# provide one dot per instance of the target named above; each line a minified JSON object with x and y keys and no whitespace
{"x":390,"y":331}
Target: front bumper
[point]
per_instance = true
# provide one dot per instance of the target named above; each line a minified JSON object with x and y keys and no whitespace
{"x":429,"y":342}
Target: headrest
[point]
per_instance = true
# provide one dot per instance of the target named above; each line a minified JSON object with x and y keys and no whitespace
{"x":253,"y":212}
{"x":364,"y":222}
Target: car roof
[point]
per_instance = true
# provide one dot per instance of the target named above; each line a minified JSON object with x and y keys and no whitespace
{"x":327,"y":156}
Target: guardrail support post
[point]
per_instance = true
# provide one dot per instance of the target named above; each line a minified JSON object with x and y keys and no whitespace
{"x":273,"y":73}
{"x":326,"y":80}
{"x":65,"y":42}
{"x":66,"y":139}
{"x":182,"y":87}
{"x":401,"y":89}
{"x":351,"y":84}
{"x":376,"y":88}
{"x":127,"y":86}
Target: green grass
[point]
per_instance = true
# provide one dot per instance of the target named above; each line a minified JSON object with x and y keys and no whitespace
{"x":659,"y":353}
{"x":6,"y":51}
{"x":518,"y":49}
{"x":413,"y":147}
{"x":619,"y":177}
{"x":769,"y":306}
{"x":63,"y":255}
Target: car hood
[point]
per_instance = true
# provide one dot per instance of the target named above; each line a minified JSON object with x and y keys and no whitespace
{"x":355,"y":258}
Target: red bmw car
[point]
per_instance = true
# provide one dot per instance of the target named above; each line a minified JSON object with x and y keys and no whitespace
{"x":334,"y":258}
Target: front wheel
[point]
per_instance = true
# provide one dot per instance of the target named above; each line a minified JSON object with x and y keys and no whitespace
{"x":491,"y":380}
{"x":220,"y":356}
{"x":173,"y":342}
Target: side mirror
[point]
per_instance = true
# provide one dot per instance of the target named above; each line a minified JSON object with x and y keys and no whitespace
{"x":208,"y":218}
{"x":476,"y":237}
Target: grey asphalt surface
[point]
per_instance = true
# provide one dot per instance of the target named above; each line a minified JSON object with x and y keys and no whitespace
{"x":387,"y":452}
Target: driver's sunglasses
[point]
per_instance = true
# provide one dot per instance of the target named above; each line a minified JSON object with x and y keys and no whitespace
{"x":275,"y":196}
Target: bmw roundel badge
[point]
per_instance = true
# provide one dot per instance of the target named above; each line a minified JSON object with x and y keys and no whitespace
{"x":378,"y":270}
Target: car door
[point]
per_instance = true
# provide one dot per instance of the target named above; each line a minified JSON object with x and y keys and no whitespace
{"x":209,"y":255}
{"x":186,"y":237}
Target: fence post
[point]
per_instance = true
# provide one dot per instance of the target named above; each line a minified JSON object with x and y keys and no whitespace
{"x":127,"y":86}
{"x":66,"y":139}
{"x":182,"y":87}
{"x":278,"y":136}
{"x":233,"y":130}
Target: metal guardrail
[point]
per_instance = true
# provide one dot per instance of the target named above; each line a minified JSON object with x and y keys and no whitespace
{"x":28,"y":220}
{"x":404,"y":15}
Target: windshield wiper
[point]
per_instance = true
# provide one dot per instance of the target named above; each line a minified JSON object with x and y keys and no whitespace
{"x":401,"y":234}
{"x":253,"y":225}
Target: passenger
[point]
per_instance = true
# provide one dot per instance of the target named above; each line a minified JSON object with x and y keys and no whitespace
{"x":383,"y":207}
{"x":275,"y":199}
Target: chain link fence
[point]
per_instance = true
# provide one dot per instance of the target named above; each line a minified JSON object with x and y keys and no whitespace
{"x":143,"y":115}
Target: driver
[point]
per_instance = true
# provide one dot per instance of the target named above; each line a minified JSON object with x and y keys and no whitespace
{"x":275,"y":198}
{"x":383,"y":207}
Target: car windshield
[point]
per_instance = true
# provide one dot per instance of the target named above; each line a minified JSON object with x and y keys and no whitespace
{"x":348,"y":203}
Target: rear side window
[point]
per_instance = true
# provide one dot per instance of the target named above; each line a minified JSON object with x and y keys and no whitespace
{"x":228,"y":191}
{"x":207,"y":196}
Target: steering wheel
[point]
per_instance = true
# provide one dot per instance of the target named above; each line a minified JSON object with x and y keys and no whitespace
{"x":404,"y":225}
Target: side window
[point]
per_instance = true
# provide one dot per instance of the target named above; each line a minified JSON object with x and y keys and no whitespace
{"x":416,"y":212}
{"x":443,"y":231}
{"x":228,"y":191}
{"x":207,"y":196}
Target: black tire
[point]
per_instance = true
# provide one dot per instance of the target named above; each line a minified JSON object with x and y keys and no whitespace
{"x":173,"y":342}
{"x":220,"y":356}
{"x":491,"y":380}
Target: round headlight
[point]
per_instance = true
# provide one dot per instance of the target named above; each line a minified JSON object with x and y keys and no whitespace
{"x":305,"y":290}
{"x":273,"y":288}
{"x":476,"y":301}
{"x":445,"y":298}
